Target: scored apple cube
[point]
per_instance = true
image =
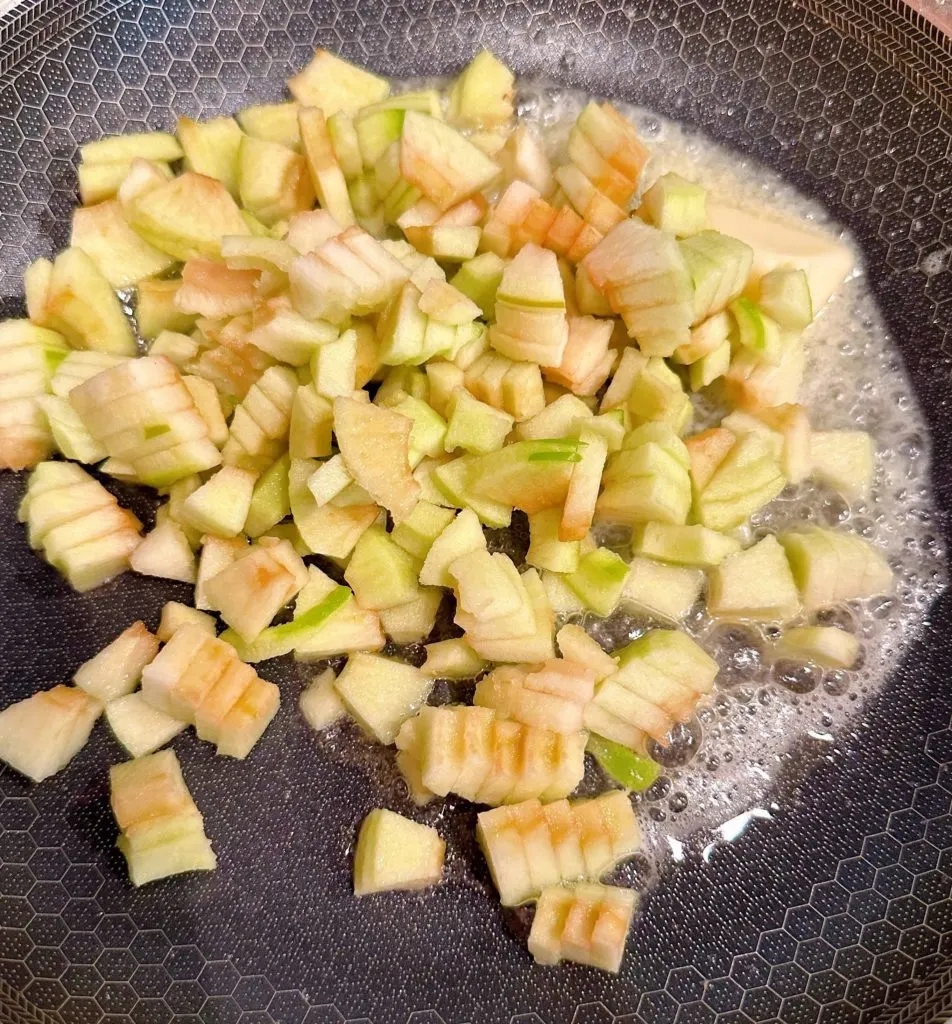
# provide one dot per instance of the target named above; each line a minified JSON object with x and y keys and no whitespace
{"x":40,"y":735}
{"x":830,"y":566}
{"x":144,"y":414}
{"x":560,"y":842}
{"x":162,"y":831}
{"x":587,"y":924}
{"x":79,"y":525}
{"x":499,"y":762}
{"x":660,"y":680}
{"x":553,"y":696}
{"x":395,"y":853}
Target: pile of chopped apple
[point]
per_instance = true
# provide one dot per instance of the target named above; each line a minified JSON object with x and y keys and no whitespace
{"x":368,"y":326}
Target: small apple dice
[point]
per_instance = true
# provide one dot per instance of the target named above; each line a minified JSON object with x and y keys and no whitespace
{"x":78,"y":524}
{"x":552,"y":696}
{"x":530,"y":309}
{"x":162,"y":831}
{"x":830,"y":566}
{"x":648,"y":479}
{"x":30,"y":357}
{"x":643,"y":275}
{"x":40,"y":735}
{"x":827,"y":646}
{"x":375,"y":444}
{"x":200,"y":680}
{"x":587,"y":924}
{"x":530,"y":846}
{"x":747,"y":479}
{"x":257,"y":435}
{"x":754,"y":584}
{"x":382,"y":693}
{"x":660,"y":679}
{"x":396,"y":853}
{"x":115,"y":670}
{"x":467,"y":750}
{"x":144,"y":415}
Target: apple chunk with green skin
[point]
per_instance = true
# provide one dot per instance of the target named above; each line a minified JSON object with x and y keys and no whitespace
{"x":754,"y":584}
{"x":382,"y":693}
{"x":666,"y":592}
{"x":396,"y":853}
{"x":116,"y":669}
{"x":441,"y":163}
{"x":375,"y":444}
{"x":599,"y":580}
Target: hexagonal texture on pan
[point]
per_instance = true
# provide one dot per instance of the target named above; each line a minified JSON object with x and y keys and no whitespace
{"x":866,"y":909}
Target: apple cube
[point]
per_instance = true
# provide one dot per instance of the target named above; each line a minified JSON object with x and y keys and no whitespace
{"x":115,"y":670}
{"x":40,"y":735}
{"x":844,"y":460}
{"x":334,"y":84}
{"x":440,"y":162}
{"x":452,"y":659}
{"x":754,"y":584}
{"x":830,"y":566}
{"x":747,"y":479}
{"x":482,"y":94}
{"x":578,"y":647}
{"x":375,"y":445}
{"x":599,"y":580}
{"x":251,"y":590}
{"x":395,"y":853}
{"x":382,"y":693}
{"x":380,"y":572}
{"x":138,"y":726}
{"x":827,"y":646}
{"x":546,"y":549}
{"x":675,"y":205}
{"x":666,"y":592}
{"x":166,"y":553}
{"x":175,"y":615}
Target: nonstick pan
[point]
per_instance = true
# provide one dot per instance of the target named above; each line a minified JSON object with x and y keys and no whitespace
{"x":838,"y":909}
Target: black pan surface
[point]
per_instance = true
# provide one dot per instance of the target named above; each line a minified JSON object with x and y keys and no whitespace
{"x":837,"y":911}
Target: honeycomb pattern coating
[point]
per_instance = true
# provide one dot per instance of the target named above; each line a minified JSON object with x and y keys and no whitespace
{"x":839,"y":907}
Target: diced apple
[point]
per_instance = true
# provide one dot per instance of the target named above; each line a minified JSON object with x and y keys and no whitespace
{"x":166,"y":553}
{"x":375,"y":444}
{"x":382,"y":693}
{"x":754,"y":584}
{"x":220,"y":506}
{"x":188,"y":216}
{"x":440,"y":162}
{"x":827,"y":646}
{"x":380,"y":572}
{"x":334,"y":84}
{"x":844,"y":460}
{"x":115,"y":670}
{"x":251,"y":590}
{"x":175,"y":615}
{"x":482,"y":94}
{"x":40,"y":735}
{"x":683,"y":545}
{"x":452,"y":659}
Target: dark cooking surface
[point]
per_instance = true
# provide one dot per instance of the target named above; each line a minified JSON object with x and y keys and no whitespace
{"x":838,"y":908}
